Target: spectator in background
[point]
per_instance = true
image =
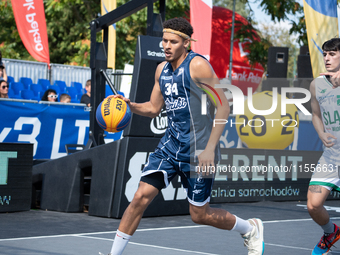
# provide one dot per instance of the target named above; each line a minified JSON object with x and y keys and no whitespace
{"x":86,"y":98}
{"x":3,"y":88}
{"x":65,"y":98}
{"x":3,"y":73}
{"x":50,"y":95}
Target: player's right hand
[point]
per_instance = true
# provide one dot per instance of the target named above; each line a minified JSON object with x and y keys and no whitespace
{"x":121,"y":97}
{"x":328,"y":139}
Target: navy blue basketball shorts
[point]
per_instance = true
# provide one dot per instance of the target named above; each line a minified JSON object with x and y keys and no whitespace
{"x":161,"y":169}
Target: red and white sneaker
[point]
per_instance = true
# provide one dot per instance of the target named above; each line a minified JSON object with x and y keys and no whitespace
{"x":326,"y":242}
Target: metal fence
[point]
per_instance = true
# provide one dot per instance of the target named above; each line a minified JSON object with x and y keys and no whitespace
{"x":22,"y":68}
{"x":67,"y":73}
{"x":70,"y":74}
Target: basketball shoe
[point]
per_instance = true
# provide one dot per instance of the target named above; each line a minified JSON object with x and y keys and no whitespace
{"x":326,"y":242}
{"x":253,"y":240}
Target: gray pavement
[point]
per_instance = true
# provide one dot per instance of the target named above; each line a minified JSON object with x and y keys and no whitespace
{"x":288,"y":230}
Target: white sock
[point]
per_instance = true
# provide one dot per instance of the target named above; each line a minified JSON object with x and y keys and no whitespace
{"x":120,"y":243}
{"x":242,"y":226}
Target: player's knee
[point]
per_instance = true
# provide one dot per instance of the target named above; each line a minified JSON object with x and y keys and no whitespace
{"x":198,"y":216}
{"x":141,"y":199}
{"x":313,"y":206}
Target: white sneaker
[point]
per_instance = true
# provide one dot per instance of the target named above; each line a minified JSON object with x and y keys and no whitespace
{"x":253,"y":240}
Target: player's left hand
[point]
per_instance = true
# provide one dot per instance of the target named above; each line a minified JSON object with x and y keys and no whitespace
{"x":206,"y":162}
{"x":335,"y":78}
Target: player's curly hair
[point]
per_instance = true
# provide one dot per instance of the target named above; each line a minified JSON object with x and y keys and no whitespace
{"x":179,"y":24}
{"x":331,"y":45}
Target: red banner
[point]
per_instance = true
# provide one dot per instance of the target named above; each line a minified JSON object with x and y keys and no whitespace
{"x":30,"y":19}
{"x":200,"y":19}
{"x":243,"y":75}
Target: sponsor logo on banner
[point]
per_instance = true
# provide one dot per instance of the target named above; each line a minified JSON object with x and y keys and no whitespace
{"x":264,"y":175}
{"x":136,"y":165}
{"x":160,"y":53}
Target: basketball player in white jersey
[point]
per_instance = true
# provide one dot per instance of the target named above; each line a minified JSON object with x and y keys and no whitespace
{"x":326,"y":120}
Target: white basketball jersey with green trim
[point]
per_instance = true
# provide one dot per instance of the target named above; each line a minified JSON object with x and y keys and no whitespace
{"x":329,"y":101}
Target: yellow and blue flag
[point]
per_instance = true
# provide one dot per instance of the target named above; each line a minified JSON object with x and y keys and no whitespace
{"x":106,"y":7}
{"x":322,"y":24}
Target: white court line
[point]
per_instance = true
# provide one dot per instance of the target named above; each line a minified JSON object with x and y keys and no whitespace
{"x":146,"y":229}
{"x":153,"y":246}
{"x":286,"y":246}
{"x":292,"y":220}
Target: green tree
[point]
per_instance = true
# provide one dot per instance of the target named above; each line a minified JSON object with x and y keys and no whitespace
{"x":280,"y":37}
{"x":241,"y":6}
{"x":11,"y":45}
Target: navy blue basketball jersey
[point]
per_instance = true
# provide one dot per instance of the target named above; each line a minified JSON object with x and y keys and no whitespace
{"x":188,"y":130}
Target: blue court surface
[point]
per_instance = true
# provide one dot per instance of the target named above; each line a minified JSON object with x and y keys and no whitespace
{"x":288,"y":230}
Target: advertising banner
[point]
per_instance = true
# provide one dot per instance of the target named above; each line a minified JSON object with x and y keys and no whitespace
{"x":200,"y":19}
{"x":322,"y":25}
{"x":49,"y":127}
{"x":15,"y":177}
{"x":106,"y":7}
{"x":243,"y":74}
{"x":259,"y":175}
{"x":30,"y":19}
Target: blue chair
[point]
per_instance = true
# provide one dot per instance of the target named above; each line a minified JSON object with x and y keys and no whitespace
{"x":17,"y":87}
{"x":11,"y":94}
{"x":56,"y":88}
{"x":79,"y":96}
{"x":26,"y":81}
{"x":37,"y":89}
{"x":108,"y":91}
{"x":72,"y":91}
{"x":77,"y":85}
{"x":75,"y":100}
{"x":28,"y":94}
{"x":61,"y":84}
{"x":44,"y":83}
{"x":10,"y":79}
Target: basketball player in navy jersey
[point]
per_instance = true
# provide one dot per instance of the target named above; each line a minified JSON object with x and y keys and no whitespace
{"x":189,"y":137}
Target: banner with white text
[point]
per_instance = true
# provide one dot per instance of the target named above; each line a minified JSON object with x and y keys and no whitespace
{"x":31,"y":23}
{"x":48,"y":127}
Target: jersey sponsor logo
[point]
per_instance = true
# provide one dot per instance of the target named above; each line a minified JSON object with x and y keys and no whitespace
{"x":159,"y":124}
{"x":180,"y":71}
{"x":331,"y":118}
{"x":338,"y":99}
{"x":177,"y":104}
{"x":321,"y":99}
{"x":197,"y":191}
{"x":166,"y":77}
{"x":323,"y":91}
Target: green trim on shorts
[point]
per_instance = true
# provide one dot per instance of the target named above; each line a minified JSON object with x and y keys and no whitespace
{"x":325,"y":184}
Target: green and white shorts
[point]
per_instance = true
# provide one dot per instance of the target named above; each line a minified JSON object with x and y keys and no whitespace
{"x":326,"y":175}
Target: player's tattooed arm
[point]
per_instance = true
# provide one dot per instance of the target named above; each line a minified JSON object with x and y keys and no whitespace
{"x":315,"y":189}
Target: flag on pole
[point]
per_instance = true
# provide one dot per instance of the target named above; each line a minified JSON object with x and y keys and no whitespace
{"x":322,"y":24}
{"x":106,"y":7}
{"x":31,"y":23}
{"x":200,"y":19}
